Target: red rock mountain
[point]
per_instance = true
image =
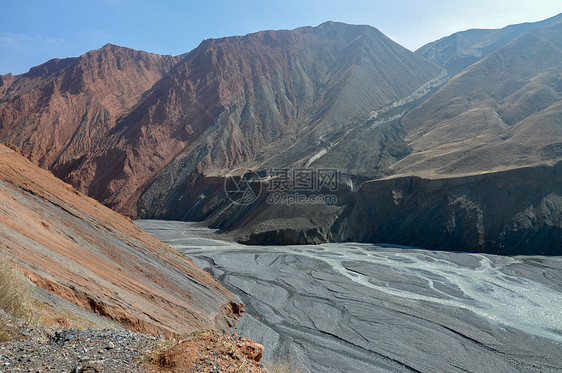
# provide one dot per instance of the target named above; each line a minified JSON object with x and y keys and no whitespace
{"x":61,"y":110}
{"x":120,"y":124}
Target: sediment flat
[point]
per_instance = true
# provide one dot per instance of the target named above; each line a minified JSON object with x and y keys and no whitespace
{"x":364,"y":307}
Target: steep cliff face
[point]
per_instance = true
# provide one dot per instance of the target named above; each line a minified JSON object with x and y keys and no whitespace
{"x":512,"y":212}
{"x":518,"y":211}
{"x":87,"y":254}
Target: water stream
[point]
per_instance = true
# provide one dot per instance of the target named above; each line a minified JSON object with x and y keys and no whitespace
{"x":364,"y":307}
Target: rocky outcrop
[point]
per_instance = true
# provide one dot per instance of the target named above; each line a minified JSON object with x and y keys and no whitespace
{"x":209,"y":352}
{"x":72,"y":246}
{"x":252,"y":350}
{"x":95,"y":351}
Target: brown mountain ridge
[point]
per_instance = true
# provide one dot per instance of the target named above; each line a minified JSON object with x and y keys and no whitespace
{"x":231,"y":101}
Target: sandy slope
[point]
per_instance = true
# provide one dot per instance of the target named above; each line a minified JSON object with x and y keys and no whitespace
{"x":85,"y":253}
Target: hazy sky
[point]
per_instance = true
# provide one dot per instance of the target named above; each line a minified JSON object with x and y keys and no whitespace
{"x":34,"y":31}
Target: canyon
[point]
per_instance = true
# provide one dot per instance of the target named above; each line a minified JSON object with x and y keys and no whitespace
{"x":155,"y":136}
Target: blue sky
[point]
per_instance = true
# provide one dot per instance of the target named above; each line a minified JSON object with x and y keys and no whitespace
{"x":34,"y":31}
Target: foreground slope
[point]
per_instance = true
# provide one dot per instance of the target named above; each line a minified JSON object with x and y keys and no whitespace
{"x":85,"y":253}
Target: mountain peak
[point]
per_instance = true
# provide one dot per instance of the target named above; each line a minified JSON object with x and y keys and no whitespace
{"x":336,"y":24}
{"x":114,"y":48}
{"x":332,"y":24}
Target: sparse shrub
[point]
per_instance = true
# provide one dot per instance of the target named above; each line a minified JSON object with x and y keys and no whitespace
{"x":15,"y":295}
{"x":281,"y":366}
{"x":195,"y":333}
{"x":156,"y":353}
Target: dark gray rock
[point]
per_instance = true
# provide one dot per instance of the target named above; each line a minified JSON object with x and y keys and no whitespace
{"x":507,"y":212}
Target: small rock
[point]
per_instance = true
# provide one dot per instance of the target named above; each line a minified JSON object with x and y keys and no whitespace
{"x":92,"y":367}
{"x":110,"y":346}
{"x":252,"y":350}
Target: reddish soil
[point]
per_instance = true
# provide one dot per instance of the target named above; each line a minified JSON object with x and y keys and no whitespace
{"x":209,"y":352}
{"x":83,"y":252}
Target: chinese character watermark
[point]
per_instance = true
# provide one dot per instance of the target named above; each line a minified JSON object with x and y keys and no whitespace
{"x":287,"y":186}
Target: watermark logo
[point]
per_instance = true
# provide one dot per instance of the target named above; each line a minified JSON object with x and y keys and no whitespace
{"x":302,"y":186}
{"x":296,"y":198}
{"x":242,"y":186}
{"x":302,"y":180}
{"x":288,"y":186}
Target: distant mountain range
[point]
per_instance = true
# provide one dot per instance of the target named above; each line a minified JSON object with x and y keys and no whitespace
{"x":154,"y":136}
{"x":503,"y":111}
{"x":461,"y":49}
